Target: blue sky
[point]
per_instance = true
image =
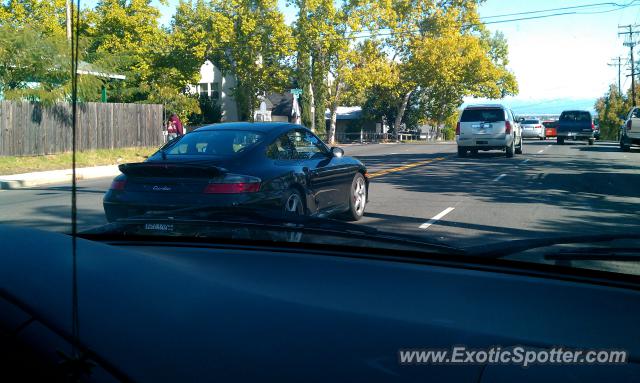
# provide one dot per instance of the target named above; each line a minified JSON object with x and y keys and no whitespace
{"x":556,"y":59}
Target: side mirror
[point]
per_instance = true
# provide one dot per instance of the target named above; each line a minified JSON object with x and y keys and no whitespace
{"x":337,"y":152}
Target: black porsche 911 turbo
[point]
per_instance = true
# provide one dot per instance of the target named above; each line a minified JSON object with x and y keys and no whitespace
{"x":263,"y":165}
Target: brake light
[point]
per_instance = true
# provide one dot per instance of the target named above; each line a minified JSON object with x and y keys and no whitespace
{"x":118,"y":185}
{"x":458,"y":129}
{"x":593,"y":126}
{"x":233,"y":184}
{"x":234,"y":188}
{"x":507,"y":125}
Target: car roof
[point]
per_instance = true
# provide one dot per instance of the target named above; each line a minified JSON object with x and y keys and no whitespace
{"x":480,"y":106}
{"x":266,"y":127}
{"x":576,"y":110}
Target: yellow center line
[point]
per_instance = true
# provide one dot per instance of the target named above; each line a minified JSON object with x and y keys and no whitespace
{"x":404,"y":167}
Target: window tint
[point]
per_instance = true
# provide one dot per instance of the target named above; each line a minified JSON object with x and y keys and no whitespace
{"x":635,"y":113}
{"x":532,"y":122}
{"x":221,"y":143}
{"x":483,"y":115}
{"x":296,"y":145}
{"x":282,"y":149}
{"x":307,"y":145}
{"x":575,"y":116}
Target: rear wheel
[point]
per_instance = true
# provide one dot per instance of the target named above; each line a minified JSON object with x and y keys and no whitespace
{"x":462,"y":152}
{"x":519,"y":148}
{"x":293,"y":202}
{"x":625,"y":148}
{"x":510,"y":150}
{"x":560,"y":141}
{"x":591,"y":141}
{"x":357,"y":198}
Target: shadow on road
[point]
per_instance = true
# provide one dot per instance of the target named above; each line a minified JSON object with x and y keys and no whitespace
{"x":604,"y":194}
{"x":58,"y":218}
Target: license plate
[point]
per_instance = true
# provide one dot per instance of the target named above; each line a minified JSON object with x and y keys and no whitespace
{"x":571,"y":134}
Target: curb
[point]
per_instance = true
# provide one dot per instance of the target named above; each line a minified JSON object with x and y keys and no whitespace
{"x":25,"y":180}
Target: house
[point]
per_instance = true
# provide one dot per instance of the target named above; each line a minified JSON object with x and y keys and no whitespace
{"x":281,"y":107}
{"x":350,"y":123}
{"x":218,"y":86}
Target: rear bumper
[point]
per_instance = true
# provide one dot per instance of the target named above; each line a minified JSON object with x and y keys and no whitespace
{"x":631,"y":141}
{"x":129,"y":204}
{"x":536,"y":133}
{"x":484,"y":143}
{"x":575,"y":135}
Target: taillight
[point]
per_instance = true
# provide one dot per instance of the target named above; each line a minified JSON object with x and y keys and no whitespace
{"x":458,"y":129}
{"x":233,"y":184}
{"x":118,"y":185}
{"x":593,"y":126}
{"x":507,"y":126}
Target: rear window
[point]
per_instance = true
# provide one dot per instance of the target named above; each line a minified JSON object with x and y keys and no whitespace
{"x":550,"y":124}
{"x":575,"y":116}
{"x":482,"y":115}
{"x":531,"y":121}
{"x":220,"y":143}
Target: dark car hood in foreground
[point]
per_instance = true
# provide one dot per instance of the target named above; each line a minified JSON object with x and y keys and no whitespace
{"x":163,"y":313}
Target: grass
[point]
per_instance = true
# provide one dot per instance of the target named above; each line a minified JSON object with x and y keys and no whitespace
{"x":16,"y":165}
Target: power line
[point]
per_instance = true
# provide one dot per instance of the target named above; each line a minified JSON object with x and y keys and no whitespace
{"x":372,"y":32}
{"x":631,"y":43}
{"x":557,"y":9}
{"x":618,"y":64}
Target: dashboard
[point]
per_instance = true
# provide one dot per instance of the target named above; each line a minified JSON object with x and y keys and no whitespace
{"x":175,"y":312}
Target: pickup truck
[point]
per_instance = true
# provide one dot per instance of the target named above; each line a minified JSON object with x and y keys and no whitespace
{"x":575,"y":125}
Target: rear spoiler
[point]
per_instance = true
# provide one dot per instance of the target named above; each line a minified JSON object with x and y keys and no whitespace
{"x":171,"y":169}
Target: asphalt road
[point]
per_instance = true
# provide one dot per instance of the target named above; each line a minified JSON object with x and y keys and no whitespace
{"x":425,"y":189}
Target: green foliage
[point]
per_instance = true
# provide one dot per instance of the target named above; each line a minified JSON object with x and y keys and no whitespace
{"x":612,"y":110}
{"x":211,"y":111}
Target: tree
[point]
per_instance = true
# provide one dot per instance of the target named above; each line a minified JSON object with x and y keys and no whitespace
{"x":441,"y":50}
{"x":258,"y":51}
{"x":612,"y":110}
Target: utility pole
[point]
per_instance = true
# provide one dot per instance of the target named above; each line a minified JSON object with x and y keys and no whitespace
{"x":68,"y":10}
{"x":631,"y":43}
{"x":618,"y":64}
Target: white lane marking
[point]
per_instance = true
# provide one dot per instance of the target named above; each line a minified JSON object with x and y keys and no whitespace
{"x":525,"y":161}
{"x":436,"y":218}
{"x":540,"y":151}
{"x":498,"y":178}
{"x":392,"y":153}
{"x":548,"y":146}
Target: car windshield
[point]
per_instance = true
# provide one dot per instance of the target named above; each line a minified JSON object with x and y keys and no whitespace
{"x":483,"y":115}
{"x":375,"y":121}
{"x":220,"y":143}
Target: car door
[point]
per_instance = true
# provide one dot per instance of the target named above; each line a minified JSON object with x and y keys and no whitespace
{"x":328,"y":176}
{"x":633,"y":124}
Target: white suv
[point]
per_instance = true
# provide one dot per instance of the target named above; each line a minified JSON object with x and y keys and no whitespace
{"x":630,"y":132}
{"x":488,"y":127}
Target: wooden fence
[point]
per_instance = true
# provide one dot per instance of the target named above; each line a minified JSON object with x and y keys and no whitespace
{"x":28,"y":128}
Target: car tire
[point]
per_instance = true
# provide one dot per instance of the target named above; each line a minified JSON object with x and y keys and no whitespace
{"x":591,"y":141}
{"x":623,"y":147}
{"x":292,"y":202}
{"x":462,"y":152}
{"x":357,"y":198}
{"x":519,"y":148}
{"x":560,"y":141}
{"x":509,"y":152}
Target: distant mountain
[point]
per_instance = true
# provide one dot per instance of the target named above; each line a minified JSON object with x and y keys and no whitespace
{"x":540,"y":106}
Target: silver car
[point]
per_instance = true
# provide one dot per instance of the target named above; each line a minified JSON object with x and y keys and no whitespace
{"x":488,"y":127}
{"x":533,"y":129}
